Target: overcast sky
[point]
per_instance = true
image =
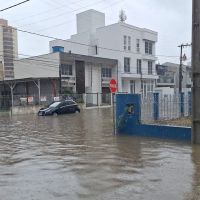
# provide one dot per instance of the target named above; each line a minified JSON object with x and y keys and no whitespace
{"x":171,"y":19}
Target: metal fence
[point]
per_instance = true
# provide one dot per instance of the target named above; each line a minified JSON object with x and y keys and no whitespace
{"x":97,"y":99}
{"x":165,"y":107}
{"x":88,"y":99}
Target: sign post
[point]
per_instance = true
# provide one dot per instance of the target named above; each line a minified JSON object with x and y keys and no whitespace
{"x":113,"y":90}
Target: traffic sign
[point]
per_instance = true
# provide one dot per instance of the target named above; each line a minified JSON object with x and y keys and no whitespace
{"x":113,"y":85}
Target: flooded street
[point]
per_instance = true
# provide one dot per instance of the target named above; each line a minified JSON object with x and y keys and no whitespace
{"x":77,"y":157}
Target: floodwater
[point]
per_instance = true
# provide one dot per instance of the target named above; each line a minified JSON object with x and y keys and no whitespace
{"x":76,"y":156}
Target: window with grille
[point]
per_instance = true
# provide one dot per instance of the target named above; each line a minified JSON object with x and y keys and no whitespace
{"x":106,"y":72}
{"x":66,"y":69}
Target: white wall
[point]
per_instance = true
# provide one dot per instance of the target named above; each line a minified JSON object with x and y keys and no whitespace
{"x":109,"y":40}
{"x":38,"y":66}
{"x":89,"y":21}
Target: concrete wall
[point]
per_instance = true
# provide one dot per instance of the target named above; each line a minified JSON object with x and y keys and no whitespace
{"x":38,"y":66}
{"x":89,"y":21}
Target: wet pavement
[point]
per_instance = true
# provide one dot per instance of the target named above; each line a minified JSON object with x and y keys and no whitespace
{"x":76,"y":156}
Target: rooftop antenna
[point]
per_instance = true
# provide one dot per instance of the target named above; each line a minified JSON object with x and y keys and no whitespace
{"x":122,"y":16}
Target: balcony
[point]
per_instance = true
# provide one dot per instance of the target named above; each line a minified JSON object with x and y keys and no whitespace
{"x":138,"y":76}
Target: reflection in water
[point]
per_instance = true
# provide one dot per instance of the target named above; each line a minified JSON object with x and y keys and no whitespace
{"x":77,"y":157}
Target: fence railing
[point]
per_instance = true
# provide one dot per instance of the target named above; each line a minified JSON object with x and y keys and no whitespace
{"x":88,"y":99}
{"x":165,"y":107}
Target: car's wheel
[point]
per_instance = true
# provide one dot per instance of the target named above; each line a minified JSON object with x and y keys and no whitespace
{"x":55,"y":114}
{"x":77,"y":111}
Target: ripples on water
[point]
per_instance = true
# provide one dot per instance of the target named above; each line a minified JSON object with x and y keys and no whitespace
{"x":77,"y":157}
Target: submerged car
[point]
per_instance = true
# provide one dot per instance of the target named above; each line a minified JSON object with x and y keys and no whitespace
{"x":60,"y":107}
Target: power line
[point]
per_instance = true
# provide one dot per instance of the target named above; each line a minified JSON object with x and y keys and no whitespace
{"x":43,"y":13}
{"x":61,"y":14}
{"x":65,"y":22}
{"x":14,"y":5}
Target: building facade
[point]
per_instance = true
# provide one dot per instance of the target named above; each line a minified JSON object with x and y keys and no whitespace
{"x":77,"y":73}
{"x":8,"y":48}
{"x":169,"y":76}
{"x":133,"y":47}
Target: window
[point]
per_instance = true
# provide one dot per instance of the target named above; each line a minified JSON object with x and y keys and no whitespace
{"x":129,"y":43}
{"x":126,"y":64}
{"x":148,"y":47}
{"x":106,"y":72}
{"x":125,"y":42}
{"x":139,"y":66}
{"x":150,"y":67}
{"x":66,"y":69}
{"x":137,"y":45}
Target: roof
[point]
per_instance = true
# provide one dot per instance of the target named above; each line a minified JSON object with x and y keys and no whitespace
{"x":86,"y":58}
{"x":129,"y":26}
{"x":30,"y":79}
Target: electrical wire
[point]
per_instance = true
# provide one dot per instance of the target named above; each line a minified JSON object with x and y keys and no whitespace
{"x":68,"y":21}
{"x":14,"y":5}
{"x":61,"y":14}
{"x":44,"y":12}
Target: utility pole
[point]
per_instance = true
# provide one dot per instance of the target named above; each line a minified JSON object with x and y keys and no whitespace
{"x":196,"y":72}
{"x":181,"y":66}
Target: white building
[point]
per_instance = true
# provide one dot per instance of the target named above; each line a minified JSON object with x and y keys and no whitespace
{"x":8,"y":48}
{"x":133,"y":47}
{"x":77,"y":73}
{"x":168,"y":81}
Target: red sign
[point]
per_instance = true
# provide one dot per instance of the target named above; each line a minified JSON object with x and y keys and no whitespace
{"x":113,"y":85}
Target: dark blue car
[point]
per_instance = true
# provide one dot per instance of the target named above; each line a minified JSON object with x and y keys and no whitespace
{"x":60,"y":107}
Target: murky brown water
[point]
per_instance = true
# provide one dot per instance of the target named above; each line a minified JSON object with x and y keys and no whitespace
{"x":77,"y":157}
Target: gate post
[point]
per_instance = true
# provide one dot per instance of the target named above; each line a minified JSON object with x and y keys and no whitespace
{"x":182,"y":104}
{"x":156,"y":106}
{"x":189,"y":103}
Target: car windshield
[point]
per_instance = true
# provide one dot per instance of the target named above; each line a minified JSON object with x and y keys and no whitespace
{"x":53,"y":105}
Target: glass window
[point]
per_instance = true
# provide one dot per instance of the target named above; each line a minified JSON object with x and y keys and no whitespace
{"x":148,"y":47}
{"x":129,"y":43}
{"x":106,"y":72}
{"x":66,"y":69}
{"x":138,"y":45}
{"x":139,"y":66}
{"x":126,"y":64}
{"x":125,"y":42}
{"x":150,"y":67}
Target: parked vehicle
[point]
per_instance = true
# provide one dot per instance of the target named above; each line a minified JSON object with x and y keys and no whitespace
{"x":60,"y":107}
